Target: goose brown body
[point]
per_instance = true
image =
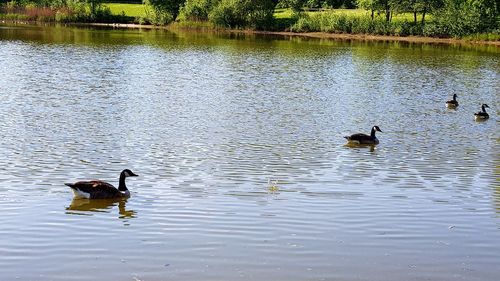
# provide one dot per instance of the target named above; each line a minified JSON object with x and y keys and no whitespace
{"x":364,"y":139}
{"x":452,"y":103}
{"x":96,"y":189}
{"x":482,"y":115}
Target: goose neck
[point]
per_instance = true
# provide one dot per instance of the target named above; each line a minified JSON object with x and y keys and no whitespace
{"x":121,"y":185}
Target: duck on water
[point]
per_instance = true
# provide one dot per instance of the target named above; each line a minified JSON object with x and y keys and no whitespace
{"x":452,"y":103}
{"x":96,"y":189}
{"x":482,"y":115}
{"x":364,"y":139}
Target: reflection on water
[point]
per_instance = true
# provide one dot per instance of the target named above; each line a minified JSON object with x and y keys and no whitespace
{"x":370,"y":147}
{"x":86,"y":207}
{"x":244,"y":170}
{"x":496,"y":185}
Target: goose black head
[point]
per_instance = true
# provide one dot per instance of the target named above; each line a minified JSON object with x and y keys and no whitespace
{"x":376,"y":128}
{"x":454,"y":96}
{"x":485,"y":105}
{"x":128,"y":173}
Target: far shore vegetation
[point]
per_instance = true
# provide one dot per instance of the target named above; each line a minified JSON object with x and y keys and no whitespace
{"x":468,"y":19}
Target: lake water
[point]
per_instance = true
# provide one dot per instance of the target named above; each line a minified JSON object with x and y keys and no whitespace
{"x":243,"y":169}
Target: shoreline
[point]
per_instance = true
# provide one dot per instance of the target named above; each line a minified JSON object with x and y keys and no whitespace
{"x":317,"y":35}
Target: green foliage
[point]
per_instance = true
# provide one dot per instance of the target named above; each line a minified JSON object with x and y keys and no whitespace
{"x":161,"y":12}
{"x":461,"y":17}
{"x":366,"y":4}
{"x":407,"y":28}
{"x":295,"y":5}
{"x":453,"y":17}
{"x":197,"y":10}
{"x":386,"y":6}
{"x":391,"y":7}
{"x":490,"y":36}
{"x":70,"y":11}
{"x":438,"y":18}
{"x":157,"y":16}
{"x":243,"y":13}
{"x":422,"y":7}
{"x":341,"y":23}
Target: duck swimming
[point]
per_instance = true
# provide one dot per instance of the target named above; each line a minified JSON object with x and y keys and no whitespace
{"x":363,"y":138}
{"x":452,"y":103}
{"x":96,"y":189}
{"x":482,"y":115}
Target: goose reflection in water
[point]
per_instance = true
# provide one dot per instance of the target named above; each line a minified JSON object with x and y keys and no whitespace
{"x":370,"y":147}
{"x":87,"y":207}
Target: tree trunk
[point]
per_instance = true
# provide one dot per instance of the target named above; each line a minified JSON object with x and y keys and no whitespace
{"x":373,"y":11}
{"x":423,"y":16}
{"x":387,"y":13}
{"x":415,"y":17}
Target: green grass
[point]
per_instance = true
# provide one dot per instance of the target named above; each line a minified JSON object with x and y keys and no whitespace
{"x":131,"y":10}
{"x":283,"y":13}
{"x":288,"y":14}
{"x":491,"y":36}
{"x":138,"y":10}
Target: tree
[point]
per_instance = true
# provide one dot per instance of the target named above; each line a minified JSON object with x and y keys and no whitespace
{"x":462,"y":17}
{"x":295,"y":5}
{"x":164,"y":11}
{"x":197,"y":9}
{"x":367,"y":5}
{"x":243,"y":13}
{"x":94,"y":5}
{"x":377,"y":5}
{"x":426,"y":6}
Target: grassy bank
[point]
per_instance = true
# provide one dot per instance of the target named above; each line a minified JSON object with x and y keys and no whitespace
{"x":335,"y":21}
{"x":358,"y":23}
{"x":77,"y":12}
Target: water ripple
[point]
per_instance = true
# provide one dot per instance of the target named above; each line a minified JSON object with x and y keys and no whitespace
{"x":238,"y":141}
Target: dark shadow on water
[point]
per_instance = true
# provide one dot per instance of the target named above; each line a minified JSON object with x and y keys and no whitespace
{"x":88,"y":207}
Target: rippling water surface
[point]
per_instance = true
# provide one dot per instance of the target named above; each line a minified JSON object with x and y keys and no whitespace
{"x":238,"y":141}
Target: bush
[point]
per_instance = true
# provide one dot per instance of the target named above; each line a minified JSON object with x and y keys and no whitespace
{"x":334,"y":23}
{"x":161,"y":12}
{"x":363,"y":25}
{"x":306,"y":23}
{"x":325,"y":22}
{"x":433,"y":29}
{"x":103,"y":15}
{"x":157,"y":15}
{"x":342,"y":23}
{"x":243,"y":13}
{"x":196,"y":10}
{"x":462,"y":17}
{"x":407,"y":28}
{"x":383,"y":27}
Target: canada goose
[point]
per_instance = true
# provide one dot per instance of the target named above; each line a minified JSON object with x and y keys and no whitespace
{"x":363,"y":138}
{"x":482,"y":115}
{"x":96,"y":189}
{"x":452,"y":103}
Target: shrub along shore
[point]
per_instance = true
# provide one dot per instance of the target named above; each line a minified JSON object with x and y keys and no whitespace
{"x":448,"y":20}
